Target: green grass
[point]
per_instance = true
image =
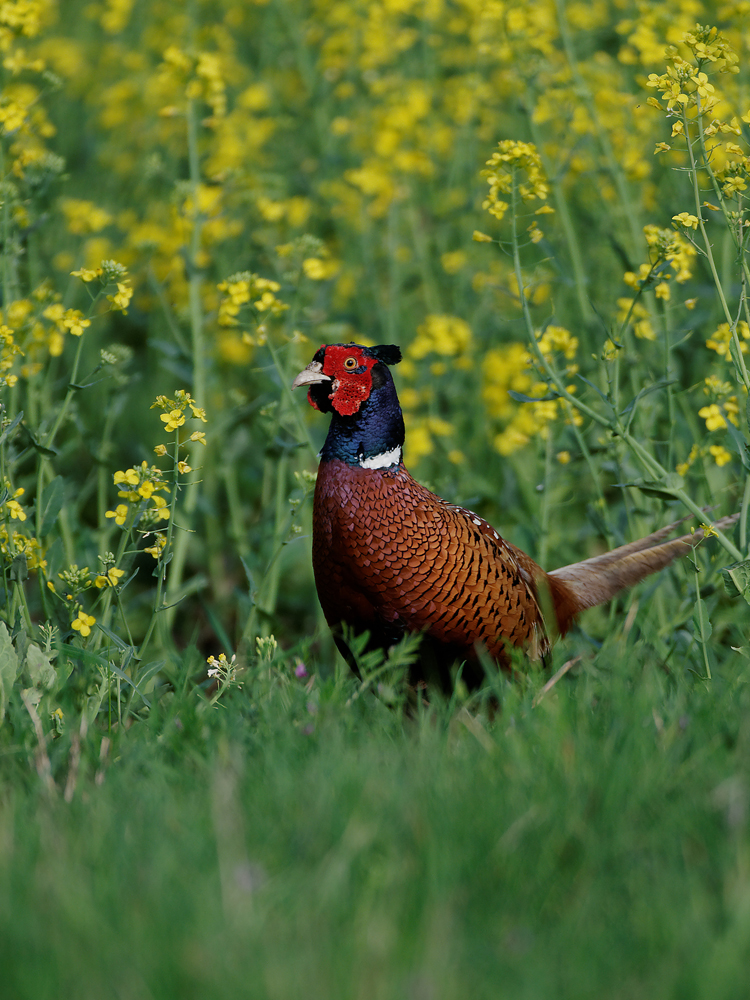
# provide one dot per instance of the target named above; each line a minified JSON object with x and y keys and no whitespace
{"x":593,"y":846}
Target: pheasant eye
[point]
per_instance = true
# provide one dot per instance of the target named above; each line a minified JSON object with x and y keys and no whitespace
{"x":350,"y":364}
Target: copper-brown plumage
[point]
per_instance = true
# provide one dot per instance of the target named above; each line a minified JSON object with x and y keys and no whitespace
{"x":390,"y":556}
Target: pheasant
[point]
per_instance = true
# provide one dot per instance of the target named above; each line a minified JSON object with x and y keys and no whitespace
{"x":389,"y":556}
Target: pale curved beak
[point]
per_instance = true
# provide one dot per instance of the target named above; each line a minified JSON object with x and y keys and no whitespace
{"x":311,"y":375}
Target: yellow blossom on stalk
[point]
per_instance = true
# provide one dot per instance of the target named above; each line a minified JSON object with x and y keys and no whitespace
{"x":446,"y":335}
{"x":639,"y":318}
{"x":87,"y":273}
{"x":714,"y":415}
{"x":160,"y":450}
{"x":481,"y":237}
{"x":9,"y":350}
{"x":173,"y":419}
{"x":158,"y":547}
{"x":683,"y":467}
{"x":120,"y":514}
{"x":198,"y":436}
{"x":669,"y":245}
{"x":16,"y":510}
{"x":557,"y":338}
{"x":720,"y":454}
{"x":130,"y":476}
{"x":83,"y":623}
{"x":687,"y":220}
{"x":519,"y":161}
{"x":74,"y":321}
{"x":121,"y":299}
{"x":110,"y":579}
{"x":160,"y":509}
{"x":83,"y":217}
{"x":720,"y":339}
{"x":243,"y":288}
{"x":320,"y":270}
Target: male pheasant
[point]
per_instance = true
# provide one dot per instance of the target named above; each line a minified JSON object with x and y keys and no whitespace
{"x":389,"y":556}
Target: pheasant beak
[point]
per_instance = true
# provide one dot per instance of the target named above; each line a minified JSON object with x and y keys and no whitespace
{"x":311,"y":375}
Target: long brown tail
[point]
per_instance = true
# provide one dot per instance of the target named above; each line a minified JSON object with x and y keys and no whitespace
{"x":594,"y":581}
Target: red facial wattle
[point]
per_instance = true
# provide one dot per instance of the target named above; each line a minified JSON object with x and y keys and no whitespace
{"x":352,"y":383}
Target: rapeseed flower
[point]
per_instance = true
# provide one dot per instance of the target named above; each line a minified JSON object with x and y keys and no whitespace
{"x":83,"y":623}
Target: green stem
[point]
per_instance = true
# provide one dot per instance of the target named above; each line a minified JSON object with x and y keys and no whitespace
{"x":631,"y":217}
{"x":740,"y":361}
{"x":649,"y":463}
{"x":198,"y":346}
{"x":162,"y":565}
{"x":745,"y":508}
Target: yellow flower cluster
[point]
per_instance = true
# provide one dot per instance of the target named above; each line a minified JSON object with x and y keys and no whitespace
{"x":511,"y":369}
{"x":722,"y":335}
{"x":13,"y":543}
{"x":140,"y":488}
{"x":244,"y":289}
{"x":514,"y":164}
{"x":176,"y":412}
{"x":448,"y":336}
{"x":9,"y":351}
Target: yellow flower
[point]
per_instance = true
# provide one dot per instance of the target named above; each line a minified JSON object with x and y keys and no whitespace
{"x":130,"y":477}
{"x":687,"y":220}
{"x":446,"y":335}
{"x":198,"y":412}
{"x":73,"y":321}
{"x":481,"y":237}
{"x":161,"y":450}
{"x":157,"y":549}
{"x":319,"y":270}
{"x":83,"y":622}
{"x":87,"y":273}
{"x":198,"y":436}
{"x":120,"y":514}
{"x":110,"y":579}
{"x":563,"y":457}
{"x":173,"y":419}
{"x":160,"y":508}
{"x":121,"y":299}
{"x":454,"y":261}
{"x":16,"y":511}
{"x":713,"y":416}
{"x":721,"y":455}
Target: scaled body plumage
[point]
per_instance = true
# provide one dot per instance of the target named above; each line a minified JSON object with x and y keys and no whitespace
{"x":390,"y":556}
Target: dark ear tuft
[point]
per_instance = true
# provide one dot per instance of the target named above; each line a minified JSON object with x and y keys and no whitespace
{"x":389,"y":354}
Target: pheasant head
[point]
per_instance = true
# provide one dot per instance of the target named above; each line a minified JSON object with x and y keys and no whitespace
{"x":354,"y":385}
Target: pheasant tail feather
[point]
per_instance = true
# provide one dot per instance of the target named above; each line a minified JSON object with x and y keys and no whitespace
{"x":594,"y":581}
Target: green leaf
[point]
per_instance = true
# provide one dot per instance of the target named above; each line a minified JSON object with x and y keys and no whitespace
{"x":11,"y":427}
{"x":520,"y":397}
{"x":741,"y":444}
{"x":737,"y":579}
{"x":702,"y":627}
{"x":654,"y":488}
{"x":645,"y":392}
{"x":41,"y":671}
{"x":54,"y":498}
{"x":8,"y":668}
{"x":49,"y":452}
